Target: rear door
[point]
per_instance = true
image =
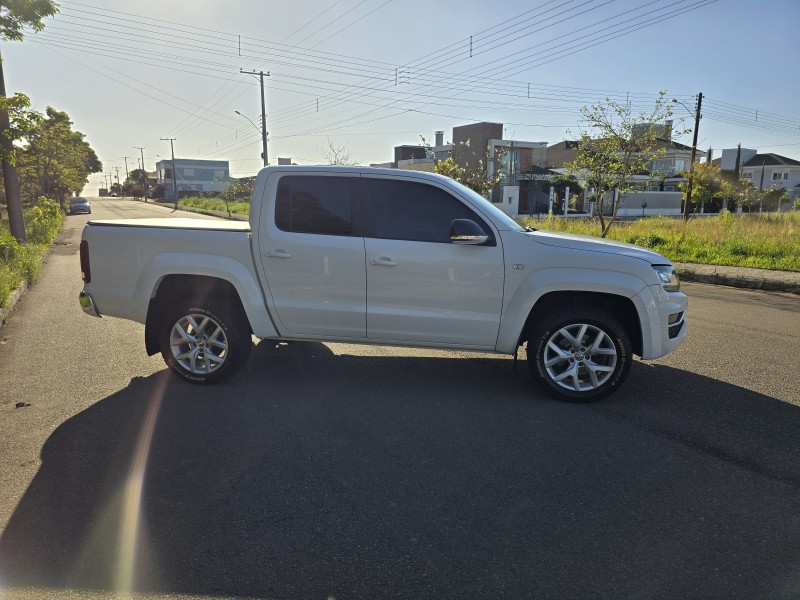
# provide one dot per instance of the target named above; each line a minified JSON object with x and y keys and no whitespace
{"x":312,"y":255}
{"x":421,"y":288}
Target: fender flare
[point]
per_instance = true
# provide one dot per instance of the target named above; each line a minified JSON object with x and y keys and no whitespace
{"x":541,"y":282}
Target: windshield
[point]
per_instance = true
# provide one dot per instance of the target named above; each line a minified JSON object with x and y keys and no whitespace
{"x":497,"y":215}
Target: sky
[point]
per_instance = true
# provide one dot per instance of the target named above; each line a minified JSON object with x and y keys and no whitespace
{"x":368,"y":75}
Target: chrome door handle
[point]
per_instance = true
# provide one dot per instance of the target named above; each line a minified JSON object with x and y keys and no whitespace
{"x":279,"y":254}
{"x":383,"y":261}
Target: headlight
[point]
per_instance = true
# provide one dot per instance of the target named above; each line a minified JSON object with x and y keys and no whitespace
{"x":666,"y":274}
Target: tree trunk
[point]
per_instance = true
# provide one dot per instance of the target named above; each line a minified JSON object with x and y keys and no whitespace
{"x":16,"y":219}
{"x":614,"y":207}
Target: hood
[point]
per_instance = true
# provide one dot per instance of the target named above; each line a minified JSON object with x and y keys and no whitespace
{"x":596,"y":244}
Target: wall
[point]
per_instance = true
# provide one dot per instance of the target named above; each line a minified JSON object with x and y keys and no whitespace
{"x":728,"y":158}
{"x":478,"y":136}
{"x":658,"y":203}
{"x":560,"y":153}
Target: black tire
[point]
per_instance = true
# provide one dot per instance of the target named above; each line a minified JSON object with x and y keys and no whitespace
{"x":579,"y":354}
{"x":204,"y":344}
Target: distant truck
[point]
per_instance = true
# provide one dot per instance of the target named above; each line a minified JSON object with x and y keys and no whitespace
{"x":382,"y":256}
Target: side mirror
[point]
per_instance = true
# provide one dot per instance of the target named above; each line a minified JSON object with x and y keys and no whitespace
{"x":467,"y":232}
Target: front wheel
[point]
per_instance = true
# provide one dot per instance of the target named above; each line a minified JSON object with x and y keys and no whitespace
{"x":579,"y":354}
{"x":204,"y":344}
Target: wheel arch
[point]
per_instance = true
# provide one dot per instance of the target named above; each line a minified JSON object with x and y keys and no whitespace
{"x":181,"y":287}
{"x":620,"y":307}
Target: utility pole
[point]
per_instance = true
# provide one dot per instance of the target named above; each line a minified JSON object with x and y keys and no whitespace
{"x":126,"y":166}
{"x":141,"y":151}
{"x":687,"y":209}
{"x":261,"y":74}
{"x":174,"y":172}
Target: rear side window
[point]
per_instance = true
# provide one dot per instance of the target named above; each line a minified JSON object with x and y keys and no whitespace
{"x":321,"y":205}
{"x":406,"y":210}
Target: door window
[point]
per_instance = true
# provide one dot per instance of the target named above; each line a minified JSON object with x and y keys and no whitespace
{"x":405,"y":210}
{"x":321,"y":205}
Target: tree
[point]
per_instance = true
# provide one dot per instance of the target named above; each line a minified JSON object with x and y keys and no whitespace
{"x":135,"y":183}
{"x":774,"y":198}
{"x":615,"y":146}
{"x":474,"y":176}
{"x":740,"y":191}
{"x":15,"y":16}
{"x":237,"y":190}
{"x":337,"y":155}
{"x":707,"y":184}
{"x":55,"y":160}
{"x":561,"y":181}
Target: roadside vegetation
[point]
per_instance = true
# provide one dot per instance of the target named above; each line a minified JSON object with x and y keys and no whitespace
{"x":764,"y":241}
{"x":235,"y":199}
{"x":22,"y":262}
{"x":240,"y":207}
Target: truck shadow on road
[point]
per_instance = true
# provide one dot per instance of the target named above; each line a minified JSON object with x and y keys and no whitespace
{"x":314,"y":474}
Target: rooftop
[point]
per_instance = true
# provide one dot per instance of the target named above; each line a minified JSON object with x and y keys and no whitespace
{"x":771,"y":160}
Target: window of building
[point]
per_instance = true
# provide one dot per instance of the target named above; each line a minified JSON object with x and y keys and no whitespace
{"x":663,"y":165}
{"x":680,"y":164}
{"x":404,"y":210}
{"x":321,"y":205}
{"x":747,"y":175}
{"x":167,"y":173}
{"x":786,"y":175}
{"x":188,"y":172}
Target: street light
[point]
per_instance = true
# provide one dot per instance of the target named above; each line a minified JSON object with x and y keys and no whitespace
{"x":260,"y":130}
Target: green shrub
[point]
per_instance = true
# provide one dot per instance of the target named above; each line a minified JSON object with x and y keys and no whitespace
{"x":649,"y":240}
{"x":9,"y":247}
{"x":20,"y":263}
{"x":9,"y":280}
{"x":43,"y":221}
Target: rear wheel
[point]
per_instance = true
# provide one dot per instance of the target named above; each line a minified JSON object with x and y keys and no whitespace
{"x":579,"y":354}
{"x":204,"y":344}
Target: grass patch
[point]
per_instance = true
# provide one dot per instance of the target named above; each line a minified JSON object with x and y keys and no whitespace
{"x":239,"y":207}
{"x":765,"y":241}
{"x":23,"y":263}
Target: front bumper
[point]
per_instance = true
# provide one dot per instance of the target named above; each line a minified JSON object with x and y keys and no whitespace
{"x":87,"y":304}
{"x":664,"y":328}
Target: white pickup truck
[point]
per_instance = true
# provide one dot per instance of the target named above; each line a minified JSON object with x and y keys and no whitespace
{"x":382,"y":256}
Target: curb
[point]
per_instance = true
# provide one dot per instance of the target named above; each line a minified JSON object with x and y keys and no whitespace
{"x":12,"y":302}
{"x":751,"y":283}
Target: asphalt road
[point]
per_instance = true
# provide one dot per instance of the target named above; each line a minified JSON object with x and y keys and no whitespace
{"x":329,"y":470}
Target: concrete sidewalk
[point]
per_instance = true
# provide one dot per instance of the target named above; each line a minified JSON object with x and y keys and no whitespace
{"x":741,"y":277}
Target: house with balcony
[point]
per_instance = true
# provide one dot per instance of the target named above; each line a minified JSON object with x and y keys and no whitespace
{"x":194,"y":177}
{"x":655,"y":192}
{"x":765,"y":171}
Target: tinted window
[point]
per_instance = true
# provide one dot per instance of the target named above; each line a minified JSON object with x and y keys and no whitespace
{"x":322,"y":205}
{"x":404,"y":210}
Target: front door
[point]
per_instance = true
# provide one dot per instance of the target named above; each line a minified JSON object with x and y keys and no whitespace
{"x":421,"y":288}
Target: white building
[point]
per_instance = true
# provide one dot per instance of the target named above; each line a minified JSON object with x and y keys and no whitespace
{"x":194,"y":176}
